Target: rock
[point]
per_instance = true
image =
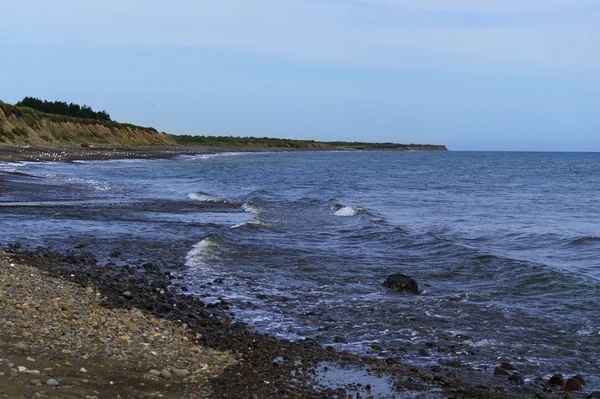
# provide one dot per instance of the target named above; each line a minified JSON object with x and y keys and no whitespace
{"x":500,"y":371}
{"x":82,"y":370}
{"x":580,"y":378}
{"x":166,"y":374}
{"x":22,"y":369}
{"x":338,"y":339}
{"x":401,"y":282}
{"x":155,"y":373}
{"x":52,"y":382}
{"x":516,"y":379}
{"x":128,"y":295}
{"x":424,"y":353}
{"x":21,"y":346}
{"x":595,"y":394}
{"x":507,"y":366}
{"x":557,"y":379}
{"x":573,"y":385}
{"x":33,"y":372}
{"x":30,"y":359}
{"x":181,"y":372}
{"x":34,"y":381}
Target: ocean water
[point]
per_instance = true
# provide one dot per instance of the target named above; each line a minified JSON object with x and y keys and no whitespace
{"x":504,"y":246}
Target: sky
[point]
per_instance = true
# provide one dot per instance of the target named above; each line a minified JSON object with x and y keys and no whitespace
{"x":471,"y":74}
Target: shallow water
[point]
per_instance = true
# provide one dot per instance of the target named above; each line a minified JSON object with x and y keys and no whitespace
{"x":505,"y":246}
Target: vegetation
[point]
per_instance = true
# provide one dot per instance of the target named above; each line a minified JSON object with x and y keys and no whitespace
{"x":58,"y":122}
{"x":230,"y":141}
{"x":62,"y":108}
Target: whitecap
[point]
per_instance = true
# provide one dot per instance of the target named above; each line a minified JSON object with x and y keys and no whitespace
{"x":196,"y":257}
{"x":250,"y":208}
{"x":203,"y":197}
{"x":347,"y":211}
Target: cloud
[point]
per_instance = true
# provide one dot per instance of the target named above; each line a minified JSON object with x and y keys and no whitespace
{"x":464,"y":35}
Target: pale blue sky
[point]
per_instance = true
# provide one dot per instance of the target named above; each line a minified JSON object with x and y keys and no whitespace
{"x":474,"y":75}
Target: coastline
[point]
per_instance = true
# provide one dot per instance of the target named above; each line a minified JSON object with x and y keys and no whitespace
{"x":289,"y":367}
{"x":99,"y":315}
{"x":65,"y":153}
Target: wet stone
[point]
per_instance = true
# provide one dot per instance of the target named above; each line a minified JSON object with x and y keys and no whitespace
{"x":556,"y":379}
{"x":516,"y":379}
{"x":499,"y":371}
{"x":507,"y":366}
{"x":573,"y":385}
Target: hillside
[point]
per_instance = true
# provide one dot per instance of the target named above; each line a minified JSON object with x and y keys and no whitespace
{"x":23,"y":125}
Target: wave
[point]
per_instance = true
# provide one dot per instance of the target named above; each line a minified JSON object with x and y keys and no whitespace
{"x":253,"y":223}
{"x":204,"y":197}
{"x":254,"y":220}
{"x":585,"y":240}
{"x":193,"y":157}
{"x":247,"y":207}
{"x":197,"y":256}
{"x":347,"y":211}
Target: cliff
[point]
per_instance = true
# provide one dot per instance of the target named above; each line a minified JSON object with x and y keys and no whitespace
{"x":22,"y":125}
{"x":27,"y":126}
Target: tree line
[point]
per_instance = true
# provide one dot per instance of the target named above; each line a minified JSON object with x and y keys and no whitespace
{"x":62,"y":108}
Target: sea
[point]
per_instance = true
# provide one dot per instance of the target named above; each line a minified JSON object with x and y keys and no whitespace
{"x":505,"y":246}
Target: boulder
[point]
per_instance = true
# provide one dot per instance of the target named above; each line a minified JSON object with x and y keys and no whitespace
{"x":401,"y":282}
{"x":573,"y":385}
{"x":557,"y":379}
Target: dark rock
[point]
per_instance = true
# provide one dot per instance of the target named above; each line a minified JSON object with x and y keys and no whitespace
{"x":424,"y":353}
{"x":151,"y":267}
{"x":218,"y":281}
{"x":595,"y":394}
{"x":464,"y":337}
{"x":128,"y":295}
{"x":115,"y":254}
{"x":516,"y":379}
{"x":339,"y":339}
{"x":401,"y":282}
{"x":376,"y":347}
{"x":573,"y":385}
{"x":557,"y":379}
{"x":450,"y":362}
{"x":580,"y":378}
{"x":507,"y":366}
{"x":500,"y":371}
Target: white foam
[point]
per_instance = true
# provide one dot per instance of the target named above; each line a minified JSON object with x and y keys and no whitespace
{"x":10,"y":166}
{"x":249,"y":208}
{"x":203,"y":197}
{"x":196,"y":257}
{"x":347,"y":211}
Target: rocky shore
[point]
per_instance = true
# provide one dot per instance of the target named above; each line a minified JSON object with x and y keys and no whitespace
{"x":76,"y":328}
{"x":73,"y":328}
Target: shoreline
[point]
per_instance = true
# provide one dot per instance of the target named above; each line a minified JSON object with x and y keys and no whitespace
{"x":291,"y":365}
{"x":259,"y":364}
{"x":100,"y":152}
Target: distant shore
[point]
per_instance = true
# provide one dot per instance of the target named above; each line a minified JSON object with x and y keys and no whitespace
{"x":15,"y":153}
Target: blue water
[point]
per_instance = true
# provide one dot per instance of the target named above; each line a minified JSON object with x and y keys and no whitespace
{"x":505,"y":246}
